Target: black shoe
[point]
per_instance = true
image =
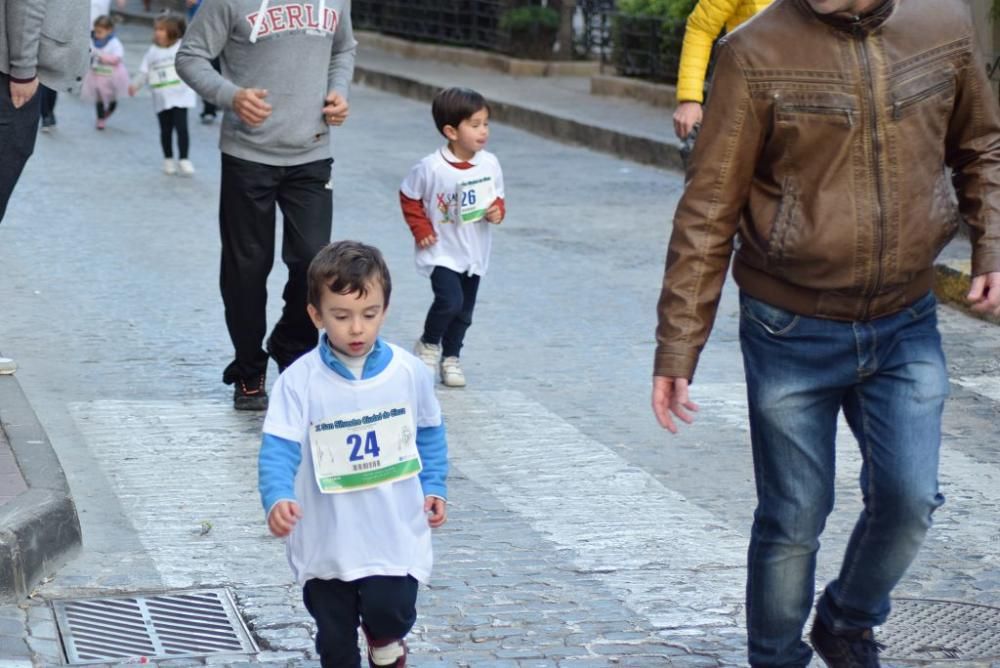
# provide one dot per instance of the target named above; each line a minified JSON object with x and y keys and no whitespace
{"x":48,"y":122}
{"x":852,"y":649}
{"x":250,"y":395}
{"x":207,"y":119}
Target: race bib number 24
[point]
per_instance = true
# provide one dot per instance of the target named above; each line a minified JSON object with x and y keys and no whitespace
{"x":364,"y":449}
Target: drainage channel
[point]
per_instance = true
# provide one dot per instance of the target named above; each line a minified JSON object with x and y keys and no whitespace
{"x":165,"y":626}
{"x":933,"y":632}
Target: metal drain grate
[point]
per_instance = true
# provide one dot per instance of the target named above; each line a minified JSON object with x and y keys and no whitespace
{"x":182,"y":624}
{"x":939,"y":631}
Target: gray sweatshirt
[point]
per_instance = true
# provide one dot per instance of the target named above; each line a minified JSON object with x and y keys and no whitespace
{"x":47,"y":39}
{"x":297,"y":50}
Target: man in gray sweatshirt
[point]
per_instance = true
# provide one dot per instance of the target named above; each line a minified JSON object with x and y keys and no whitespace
{"x":40,"y":41}
{"x":286,"y":67}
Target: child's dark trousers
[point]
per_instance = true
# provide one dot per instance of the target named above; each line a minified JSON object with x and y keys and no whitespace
{"x":385,"y":605}
{"x":451,"y":313}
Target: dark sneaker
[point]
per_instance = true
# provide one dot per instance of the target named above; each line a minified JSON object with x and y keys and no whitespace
{"x":48,"y":123}
{"x":250,"y":395}
{"x":207,"y":119}
{"x":852,"y":649}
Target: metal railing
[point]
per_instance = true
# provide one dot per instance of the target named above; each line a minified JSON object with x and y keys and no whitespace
{"x":472,"y":23}
{"x":648,"y":47}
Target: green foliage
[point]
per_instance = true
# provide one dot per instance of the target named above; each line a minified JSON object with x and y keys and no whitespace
{"x":529,"y":17}
{"x":670,"y":9}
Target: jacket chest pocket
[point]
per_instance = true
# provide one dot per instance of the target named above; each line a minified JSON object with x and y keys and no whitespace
{"x":815,"y":108}
{"x":932,"y":91}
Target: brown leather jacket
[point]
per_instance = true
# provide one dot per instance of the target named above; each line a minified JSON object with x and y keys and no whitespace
{"x":822,"y":160}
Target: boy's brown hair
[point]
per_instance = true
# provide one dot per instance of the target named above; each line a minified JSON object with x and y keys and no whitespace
{"x":174,"y":24}
{"x":346,"y":267}
{"x":454,"y":105}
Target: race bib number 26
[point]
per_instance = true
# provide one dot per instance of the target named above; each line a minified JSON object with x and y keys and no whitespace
{"x":364,"y":449}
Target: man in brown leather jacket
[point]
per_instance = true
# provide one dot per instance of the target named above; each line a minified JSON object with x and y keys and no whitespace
{"x":824,"y":163}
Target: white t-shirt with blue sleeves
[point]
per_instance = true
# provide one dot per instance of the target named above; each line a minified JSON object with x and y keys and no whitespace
{"x":376,"y":531}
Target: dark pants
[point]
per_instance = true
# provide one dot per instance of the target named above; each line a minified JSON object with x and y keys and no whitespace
{"x":174,"y":119}
{"x":249,"y":193}
{"x":18,"y":130}
{"x":386,"y":606}
{"x":451,"y":313}
{"x":48,"y":102}
{"x":103,"y":112}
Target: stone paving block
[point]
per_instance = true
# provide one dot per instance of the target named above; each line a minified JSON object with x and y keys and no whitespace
{"x":14,"y":647}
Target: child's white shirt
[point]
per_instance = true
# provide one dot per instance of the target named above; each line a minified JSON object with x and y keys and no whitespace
{"x":377,"y":531}
{"x":463,"y":248}
{"x":158,"y":70}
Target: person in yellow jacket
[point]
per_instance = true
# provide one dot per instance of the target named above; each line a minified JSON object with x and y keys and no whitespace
{"x":703,"y":25}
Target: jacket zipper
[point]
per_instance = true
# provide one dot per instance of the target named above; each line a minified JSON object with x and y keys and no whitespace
{"x":879,"y":208}
{"x":899,"y":106}
{"x":826,"y":111}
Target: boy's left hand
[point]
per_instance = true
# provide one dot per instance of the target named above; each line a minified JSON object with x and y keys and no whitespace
{"x":438,"y":509}
{"x":494,"y":214}
{"x":336,"y":110}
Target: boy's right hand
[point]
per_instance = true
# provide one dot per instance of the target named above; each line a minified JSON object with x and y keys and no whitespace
{"x":283,"y":518}
{"x":427,"y":241}
{"x":249,"y":105}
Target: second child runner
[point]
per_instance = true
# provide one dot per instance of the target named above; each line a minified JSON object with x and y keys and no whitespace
{"x":450,"y":199}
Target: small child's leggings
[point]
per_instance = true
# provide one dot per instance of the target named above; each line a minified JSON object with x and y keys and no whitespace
{"x":175,"y":118}
{"x":105,"y":111}
{"x":385,"y":605}
{"x":451,"y":313}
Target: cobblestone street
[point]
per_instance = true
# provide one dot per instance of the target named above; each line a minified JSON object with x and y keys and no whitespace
{"x":580,"y":534}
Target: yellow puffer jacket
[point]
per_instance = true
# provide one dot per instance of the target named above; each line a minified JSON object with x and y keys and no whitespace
{"x":703,"y":26}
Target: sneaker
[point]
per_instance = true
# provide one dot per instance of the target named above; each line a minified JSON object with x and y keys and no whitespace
{"x":185,"y":167}
{"x":101,"y":123}
{"x":852,"y":649}
{"x":48,"y":123}
{"x":385,"y":653}
{"x":429,"y":353}
{"x":250,"y":395}
{"x":207,"y":119}
{"x":169,"y":166}
{"x":451,"y":372}
{"x":7,"y":366}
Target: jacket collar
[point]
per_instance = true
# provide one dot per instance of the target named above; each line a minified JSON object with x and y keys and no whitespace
{"x":863,"y":24}
{"x":378,"y":359}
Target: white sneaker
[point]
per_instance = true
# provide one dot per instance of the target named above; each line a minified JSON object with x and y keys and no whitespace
{"x":7,"y":366}
{"x":186,"y":168}
{"x":429,"y":353}
{"x":169,"y":166}
{"x":451,"y":372}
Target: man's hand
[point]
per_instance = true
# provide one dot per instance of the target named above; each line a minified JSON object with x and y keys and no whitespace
{"x":249,"y":105}
{"x":984,"y":293}
{"x":494,"y":214}
{"x":283,"y":517}
{"x":427,"y":241}
{"x":132,"y":90}
{"x":686,"y":116}
{"x":21,"y":93}
{"x":670,"y":395}
{"x":336,"y":110}
{"x":437,"y":509}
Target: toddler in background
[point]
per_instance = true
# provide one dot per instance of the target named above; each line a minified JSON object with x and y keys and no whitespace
{"x":107,"y":77}
{"x":171,"y":97}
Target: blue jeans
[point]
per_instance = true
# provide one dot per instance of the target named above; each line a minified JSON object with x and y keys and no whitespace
{"x":888,"y":375}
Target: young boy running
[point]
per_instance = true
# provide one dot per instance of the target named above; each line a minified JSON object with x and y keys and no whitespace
{"x":353,"y":465}
{"x":449,"y":200}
